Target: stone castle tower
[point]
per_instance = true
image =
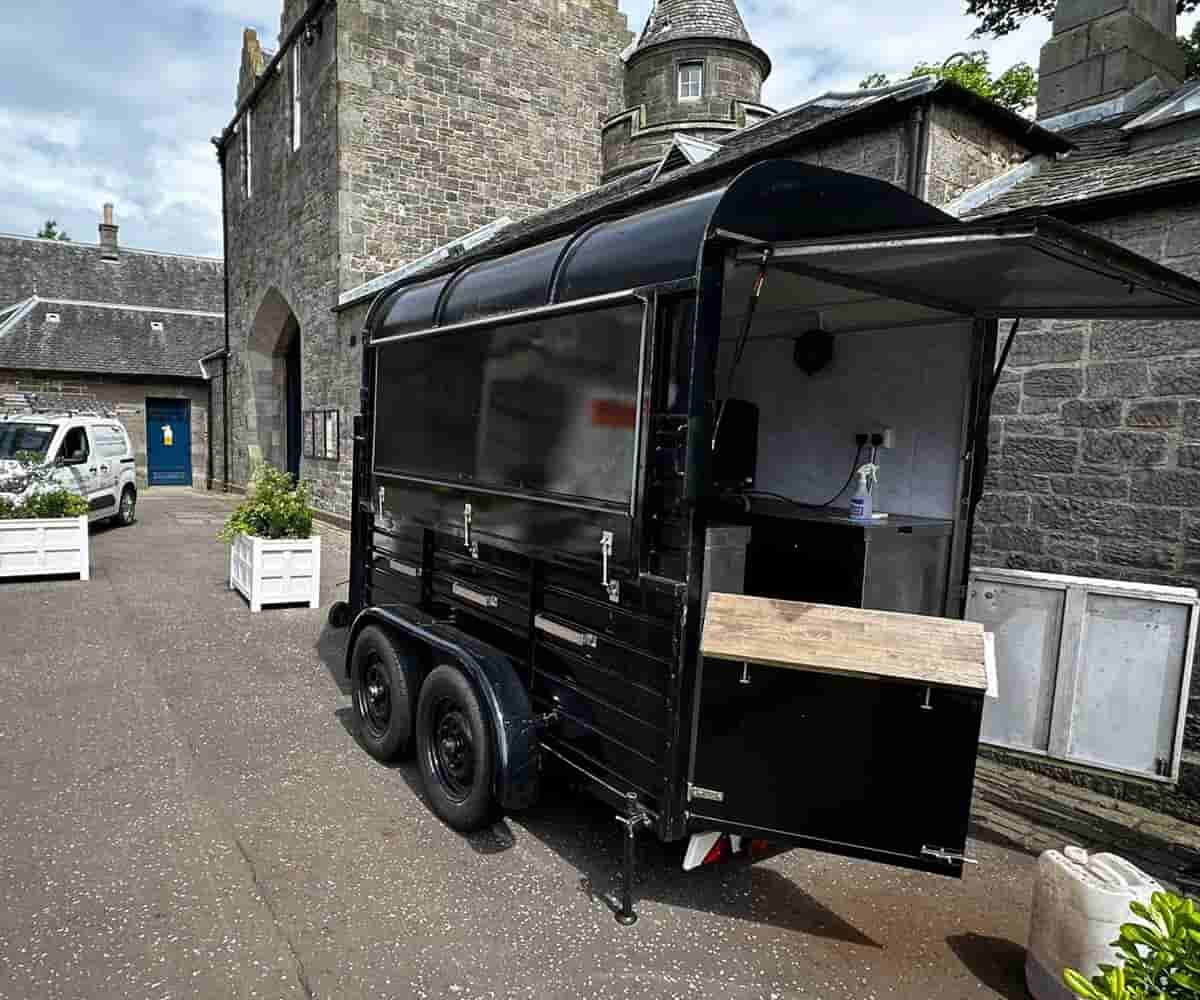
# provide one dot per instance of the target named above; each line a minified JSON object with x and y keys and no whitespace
{"x":694,"y":71}
{"x":374,"y":133}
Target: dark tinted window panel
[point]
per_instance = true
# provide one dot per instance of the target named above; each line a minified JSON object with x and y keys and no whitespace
{"x":547,"y":405}
{"x":662,"y":244}
{"x":517,"y":281}
{"x":410,"y":308}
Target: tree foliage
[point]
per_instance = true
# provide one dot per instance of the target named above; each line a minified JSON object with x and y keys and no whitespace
{"x":1015,"y":88}
{"x":49,"y":231}
{"x":1001,"y":17}
{"x":1191,"y":48}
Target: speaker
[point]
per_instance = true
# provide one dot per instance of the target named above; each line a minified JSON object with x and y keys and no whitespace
{"x":735,"y":450}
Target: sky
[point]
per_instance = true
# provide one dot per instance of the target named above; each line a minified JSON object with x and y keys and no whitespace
{"x":118,"y":101}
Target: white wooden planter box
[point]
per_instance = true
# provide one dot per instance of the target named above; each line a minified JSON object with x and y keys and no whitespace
{"x":276,"y":570}
{"x":44,"y":546}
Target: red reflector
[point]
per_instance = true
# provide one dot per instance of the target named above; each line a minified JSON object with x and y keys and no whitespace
{"x":613,"y":413}
{"x":718,"y":852}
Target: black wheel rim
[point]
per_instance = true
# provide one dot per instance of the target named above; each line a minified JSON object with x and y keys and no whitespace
{"x":452,"y":749}
{"x":374,"y":698}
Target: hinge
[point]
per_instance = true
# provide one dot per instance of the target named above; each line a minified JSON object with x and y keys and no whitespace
{"x":466,"y":525}
{"x":948,"y":856}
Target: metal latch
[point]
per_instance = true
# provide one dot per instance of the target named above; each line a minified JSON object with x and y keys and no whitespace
{"x":948,"y":856}
{"x":466,"y":525}
{"x":475,"y":597}
{"x":381,"y":496}
{"x":711,"y":794}
{"x":606,"y":550}
{"x":576,"y":638}
{"x":405,"y":568}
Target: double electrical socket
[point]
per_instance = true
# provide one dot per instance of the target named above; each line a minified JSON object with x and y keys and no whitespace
{"x":880,"y":437}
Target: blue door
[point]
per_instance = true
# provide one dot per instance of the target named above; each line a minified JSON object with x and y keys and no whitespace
{"x":168,"y":442}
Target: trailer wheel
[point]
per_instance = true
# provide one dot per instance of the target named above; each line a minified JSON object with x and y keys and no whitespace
{"x":454,"y":749}
{"x":383,"y":701}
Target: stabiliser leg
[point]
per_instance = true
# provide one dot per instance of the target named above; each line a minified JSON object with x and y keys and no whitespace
{"x":635,"y":818}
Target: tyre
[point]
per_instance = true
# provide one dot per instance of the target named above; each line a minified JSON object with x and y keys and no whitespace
{"x":125,"y":509}
{"x":455,"y":750}
{"x":382,"y":695}
{"x":339,"y":614}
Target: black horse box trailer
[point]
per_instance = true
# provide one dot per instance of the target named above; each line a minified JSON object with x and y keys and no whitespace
{"x":570,"y":450}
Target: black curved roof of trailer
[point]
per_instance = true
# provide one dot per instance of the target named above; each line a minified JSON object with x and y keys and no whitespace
{"x":770,"y":201}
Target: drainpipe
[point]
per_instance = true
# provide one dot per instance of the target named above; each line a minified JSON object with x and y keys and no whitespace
{"x":219,"y":142}
{"x":918,"y":150}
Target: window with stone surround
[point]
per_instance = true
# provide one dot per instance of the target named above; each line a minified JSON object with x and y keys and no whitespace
{"x":295,"y":97}
{"x":691,"y":81}
{"x":247,"y":163}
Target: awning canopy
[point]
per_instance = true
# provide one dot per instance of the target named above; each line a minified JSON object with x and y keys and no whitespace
{"x":1036,"y":268}
{"x":826,"y":225}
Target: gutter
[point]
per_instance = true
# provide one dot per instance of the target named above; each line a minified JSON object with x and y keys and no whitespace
{"x":314,"y":8}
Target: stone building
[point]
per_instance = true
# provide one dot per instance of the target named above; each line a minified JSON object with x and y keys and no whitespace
{"x":376,"y":133}
{"x":695,"y":75}
{"x":364,"y":148}
{"x":1095,"y":443}
{"x":85,"y":326}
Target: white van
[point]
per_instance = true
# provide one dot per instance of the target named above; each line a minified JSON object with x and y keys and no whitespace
{"x":91,"y":456}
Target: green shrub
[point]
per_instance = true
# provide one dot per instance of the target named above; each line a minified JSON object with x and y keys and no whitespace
{"x":1161,"y":961}
{"x":43,"y":499}
{"x":275,"y":507}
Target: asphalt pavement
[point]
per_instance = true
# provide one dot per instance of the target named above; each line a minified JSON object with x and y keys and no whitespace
{"x":184,"y":812}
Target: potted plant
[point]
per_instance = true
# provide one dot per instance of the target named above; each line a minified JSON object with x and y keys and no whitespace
{"x":1160,"y":957}
{"x":274,"y":558}
{"x":43,"y":525}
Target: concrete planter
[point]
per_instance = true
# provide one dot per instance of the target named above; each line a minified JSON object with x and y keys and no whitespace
{"x":276,"y":570}
{"x":44,"y":546}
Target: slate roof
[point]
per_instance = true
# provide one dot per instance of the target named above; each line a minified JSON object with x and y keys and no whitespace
{"x":673,"y":19}
{"x":68,"y":270}
{"x":1104,"y":164}
{"x":112,"y":339}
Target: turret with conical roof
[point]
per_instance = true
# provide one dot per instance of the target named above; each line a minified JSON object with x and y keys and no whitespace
{"x":694,"y":71}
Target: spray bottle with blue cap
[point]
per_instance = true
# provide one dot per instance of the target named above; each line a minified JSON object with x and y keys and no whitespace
{"x":860,"y":503}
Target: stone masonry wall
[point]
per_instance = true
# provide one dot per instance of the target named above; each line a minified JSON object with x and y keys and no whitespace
{"x":731,"y":73}
{"x":282,"y":252}
{"x":126,"y":398}
{"x":963,"y":152}
{"x":455,"y":113}
{"x":1095,"y":462}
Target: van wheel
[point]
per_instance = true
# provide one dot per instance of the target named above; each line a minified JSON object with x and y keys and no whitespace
{"x":125,"y":509}
{"x":454,"y":749}
{"x":381,"y":694}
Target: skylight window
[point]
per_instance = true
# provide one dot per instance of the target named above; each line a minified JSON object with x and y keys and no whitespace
{"x":1184,"y":102}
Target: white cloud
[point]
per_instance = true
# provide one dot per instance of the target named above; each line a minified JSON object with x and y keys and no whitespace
{"x":116,"y":102}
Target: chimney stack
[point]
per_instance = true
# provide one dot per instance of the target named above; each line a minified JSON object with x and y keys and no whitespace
{"x":1102,"y":49}
{"x":108,"y":235}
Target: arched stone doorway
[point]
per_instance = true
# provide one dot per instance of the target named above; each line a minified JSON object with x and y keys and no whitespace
{"x":274,"y":392}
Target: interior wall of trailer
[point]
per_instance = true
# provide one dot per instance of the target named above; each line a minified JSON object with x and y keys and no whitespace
{"x":914,"y":380}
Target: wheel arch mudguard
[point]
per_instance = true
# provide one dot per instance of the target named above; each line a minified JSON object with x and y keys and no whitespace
{"x":495,"y":677}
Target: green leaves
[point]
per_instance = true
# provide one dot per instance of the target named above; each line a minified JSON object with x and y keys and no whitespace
{"x":1015,"y":88}
{"x":44,"y":499}
{"x":1161,"y":955}
{"x":274,"y":508}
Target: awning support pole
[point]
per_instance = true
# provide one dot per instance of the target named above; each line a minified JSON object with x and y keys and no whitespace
{"x":1012,"y":334}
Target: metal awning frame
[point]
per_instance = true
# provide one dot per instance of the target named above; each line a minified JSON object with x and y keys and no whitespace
{"x":1041,"y":234}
